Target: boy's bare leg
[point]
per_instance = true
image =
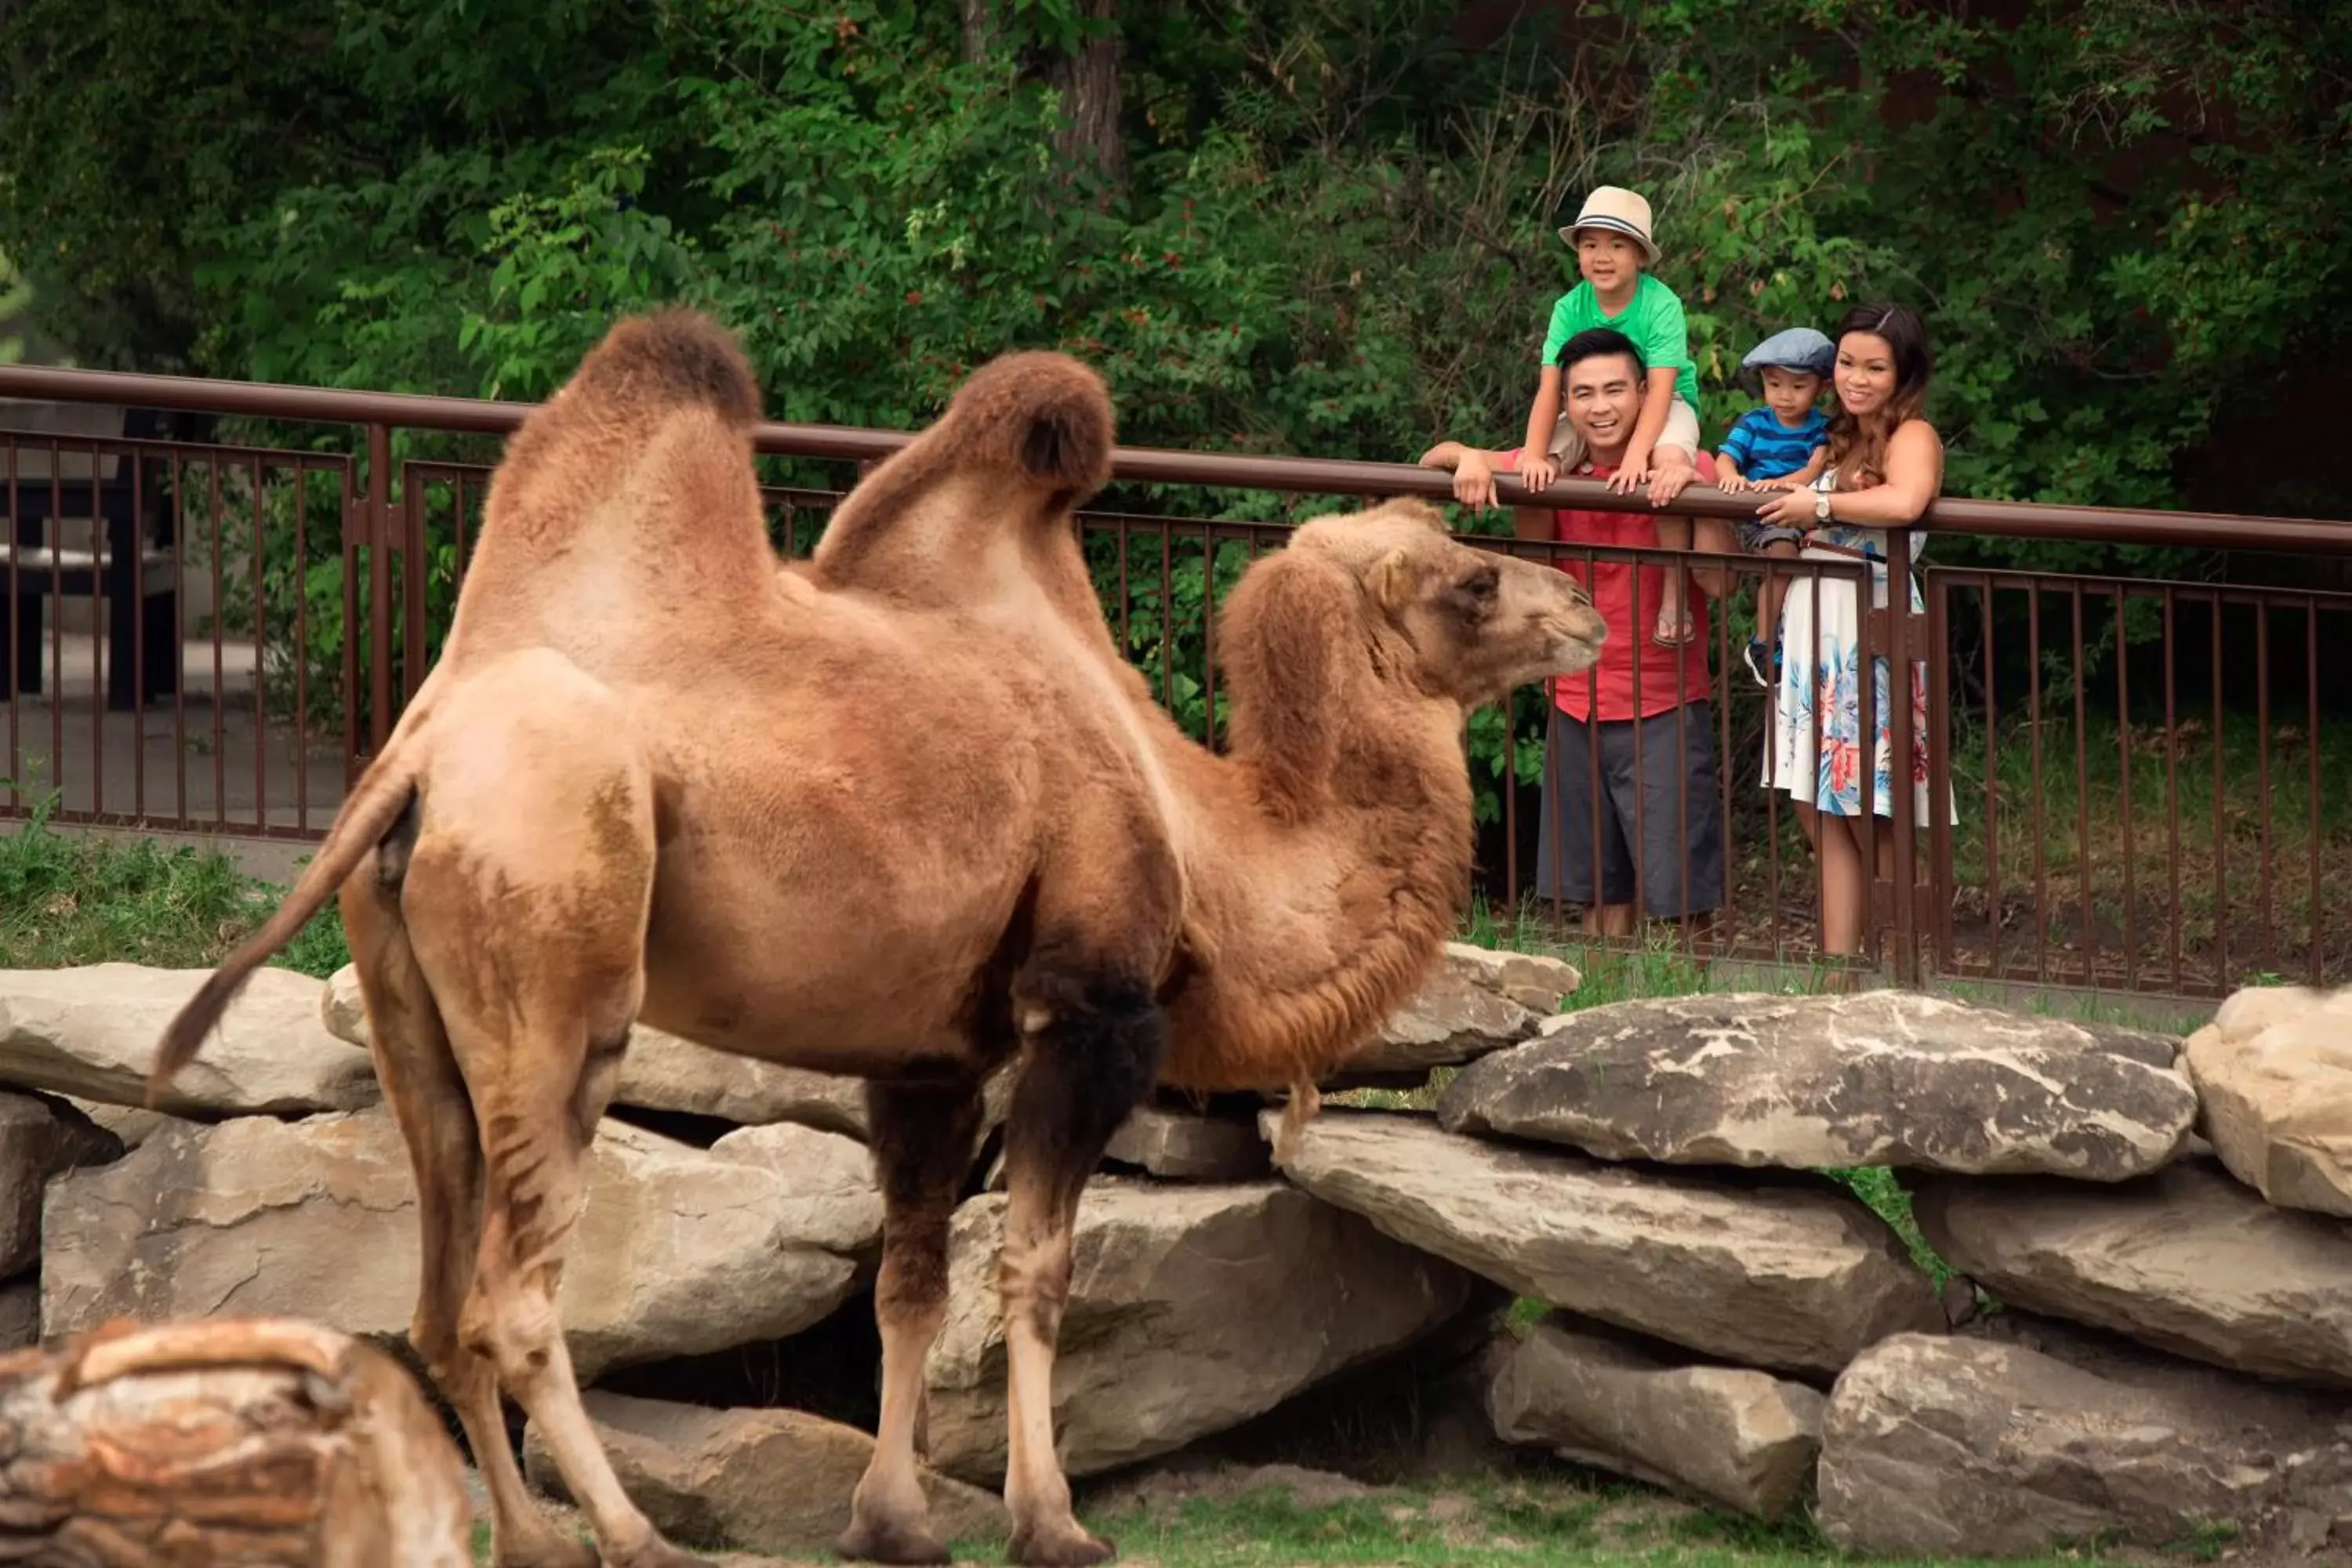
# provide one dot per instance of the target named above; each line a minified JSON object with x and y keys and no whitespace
{"x":1775,"y":589}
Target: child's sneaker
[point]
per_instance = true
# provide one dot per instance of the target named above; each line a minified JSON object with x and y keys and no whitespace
{"x":1763,"y":662}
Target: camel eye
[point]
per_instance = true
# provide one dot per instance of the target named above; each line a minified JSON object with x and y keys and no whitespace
{"x":1475,"y":593}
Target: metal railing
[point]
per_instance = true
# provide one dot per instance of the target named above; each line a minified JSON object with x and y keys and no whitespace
{"x":248,"y":620}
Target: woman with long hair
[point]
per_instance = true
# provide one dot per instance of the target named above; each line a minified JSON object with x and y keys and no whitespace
{"x":1885,"y":465}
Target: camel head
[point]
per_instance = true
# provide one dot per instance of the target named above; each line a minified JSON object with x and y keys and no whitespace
{"x":1453,"y":621}
{"x":1362,"y":609}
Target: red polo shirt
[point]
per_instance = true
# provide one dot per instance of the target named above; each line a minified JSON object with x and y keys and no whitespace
{"x":1670,"y":677}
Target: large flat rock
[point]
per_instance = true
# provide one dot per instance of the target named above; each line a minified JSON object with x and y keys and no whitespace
{"x":39,"y":1136}
{"x":1191,"y":1309}
{"x":765,"y":1480}
{"x":2275,"y":1071}
{"x":659,"y":1072}
{"x":92,"y":1032}
{"x":679,"y":1250}
{"x":1730,"y":1435}
{"x":1951,"y":1446}
{"x":1885,"y":1078}
{"x":1795,"y":1277}
{"x":2187,"y":1260}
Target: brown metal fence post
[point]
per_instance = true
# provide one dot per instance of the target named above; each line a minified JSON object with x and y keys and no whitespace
{"x":1903,"y":628}
{"x":377,"y":511}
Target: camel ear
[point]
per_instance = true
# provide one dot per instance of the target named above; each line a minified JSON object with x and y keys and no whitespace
{"x":1393,"y":580}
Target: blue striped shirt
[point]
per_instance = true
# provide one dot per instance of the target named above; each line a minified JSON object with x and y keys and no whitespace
{"x":1766,"y":449}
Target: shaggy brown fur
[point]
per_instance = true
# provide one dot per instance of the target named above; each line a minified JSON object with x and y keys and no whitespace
{"x":902,"y":813}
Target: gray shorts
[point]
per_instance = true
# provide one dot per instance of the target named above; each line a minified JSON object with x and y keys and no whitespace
{"x":1754,"y":536}
{"x":1679,"y":823}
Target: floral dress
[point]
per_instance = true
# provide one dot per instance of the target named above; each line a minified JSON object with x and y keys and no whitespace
{"x":1821,"y":672}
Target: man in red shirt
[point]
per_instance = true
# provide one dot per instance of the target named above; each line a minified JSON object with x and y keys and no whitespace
{"x":1644,"y":775}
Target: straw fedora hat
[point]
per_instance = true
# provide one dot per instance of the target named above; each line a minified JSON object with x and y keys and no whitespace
{"x":1619,"y":211}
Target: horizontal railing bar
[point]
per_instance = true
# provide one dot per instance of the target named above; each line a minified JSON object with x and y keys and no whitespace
{"x":1334,"y":476}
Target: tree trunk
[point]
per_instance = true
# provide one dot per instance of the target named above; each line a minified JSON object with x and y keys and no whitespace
{"x":1092,"y":98}
{"x":979,"y":28}
{"x":247,"y":1441}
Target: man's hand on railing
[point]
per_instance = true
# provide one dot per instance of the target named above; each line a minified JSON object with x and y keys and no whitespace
{"x":1669,"y":478}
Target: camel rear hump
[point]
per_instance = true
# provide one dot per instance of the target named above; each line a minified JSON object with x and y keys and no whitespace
{"x":657,"y":420}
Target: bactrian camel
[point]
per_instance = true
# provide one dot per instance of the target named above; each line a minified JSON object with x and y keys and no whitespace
{"x":899,"y":811}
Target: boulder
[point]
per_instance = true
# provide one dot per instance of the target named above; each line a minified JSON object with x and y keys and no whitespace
{"x":765,"y":1480}
{"x":1730,"y":1435}
{"x":679,"y":1250}
{"x":1793,"y":1276}
{"x":1468,"y":1007}
{"x":92,"y":1032}
{"x":39,"y":1136}
{"x":1953,"y":1447}
{"x":2274,"y":1072}
{"x":1536,"y":982}
{"x":2186,"y":1260}
{"x":1885,"y":1077}
{"x":20,"y":1314}
{"x":659,"y":1072}
{"x":1176,"y":1146}
{"x":1191,"y":1309}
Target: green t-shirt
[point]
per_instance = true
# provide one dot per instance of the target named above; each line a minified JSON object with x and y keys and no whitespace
{"x":1654,"y":320}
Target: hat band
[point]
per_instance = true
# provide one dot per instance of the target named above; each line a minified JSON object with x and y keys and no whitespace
{"x":1616,"y":224}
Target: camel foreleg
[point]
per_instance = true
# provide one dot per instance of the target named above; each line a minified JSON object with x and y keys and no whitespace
{"x":922,"y":1137}
{"x":1091,"y":1052}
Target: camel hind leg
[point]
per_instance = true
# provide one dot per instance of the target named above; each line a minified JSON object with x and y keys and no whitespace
{"x":922,"y":1137}
{"x":527,"y":896}
{"x":428,"y":1102}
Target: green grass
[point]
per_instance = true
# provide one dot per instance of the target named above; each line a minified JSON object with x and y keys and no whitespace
{"x":1549,"y":1514}
{"x":72,"y":898}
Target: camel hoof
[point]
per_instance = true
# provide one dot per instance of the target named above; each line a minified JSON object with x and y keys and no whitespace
{"x":1075,"y":1546}
{"x":883,"y":1541}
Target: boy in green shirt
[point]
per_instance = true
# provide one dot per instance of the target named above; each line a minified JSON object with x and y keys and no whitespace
{"x":1614,"y":252}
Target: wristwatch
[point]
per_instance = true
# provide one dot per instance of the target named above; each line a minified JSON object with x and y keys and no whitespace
{"x":1822,"y":506}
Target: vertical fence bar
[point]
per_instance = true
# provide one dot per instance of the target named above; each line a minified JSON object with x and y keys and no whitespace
{"x":355,"y":529}
{"x":2263,"y":775}
{"x":2220,"y":823}
{"x":379,"y":527}
{"x":301,"y":654}
{"x":2172,"y":779}
{"x":260,"y":662}
{"x":2311,"y":743}
{"x":2086,"y":912}
{"x":1901,"y":774}
{"x":139,"y":693}
{"x":219,"y":515}
{"x":2123,"y":763}
{"x":100,"y":671}
{"x":1940,"y":888}
{"x":17,"y":641}
{"x":2037,"y":819}
{"x":1992,"y":790}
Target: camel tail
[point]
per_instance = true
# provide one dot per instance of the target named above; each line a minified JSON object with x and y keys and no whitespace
{"x":387,"y":792}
